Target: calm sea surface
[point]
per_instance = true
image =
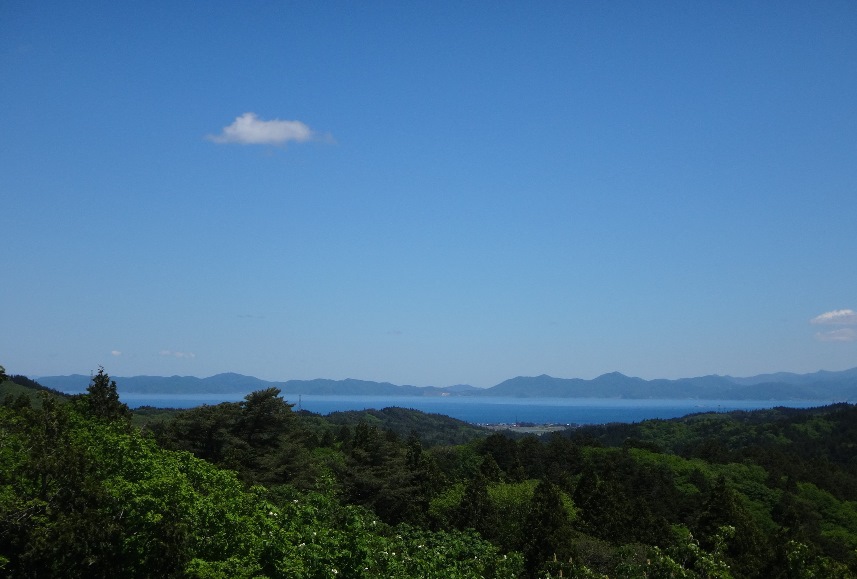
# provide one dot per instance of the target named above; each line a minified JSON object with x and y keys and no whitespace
{"x":494,"y":410}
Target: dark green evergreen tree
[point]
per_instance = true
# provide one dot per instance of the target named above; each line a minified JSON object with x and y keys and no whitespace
{"x":264,"y":416}
{"x":490,"y":470}
{"x":548,"y":528}
{"x":475,"y":510}
{"x":101,"y":400}
{"x":747,"y":551}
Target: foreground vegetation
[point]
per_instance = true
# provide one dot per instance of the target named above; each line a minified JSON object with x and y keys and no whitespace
{"x":254,"y":489}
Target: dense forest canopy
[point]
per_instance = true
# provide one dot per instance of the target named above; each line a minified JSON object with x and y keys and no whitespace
{"x":256,"y":489}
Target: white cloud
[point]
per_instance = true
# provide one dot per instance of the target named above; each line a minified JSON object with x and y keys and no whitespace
{"x":248,"y":129}
{"x":841,"y":335}
{"x":836,"y":317}
{"x":115,"y":353}
{"x":171,"y":354}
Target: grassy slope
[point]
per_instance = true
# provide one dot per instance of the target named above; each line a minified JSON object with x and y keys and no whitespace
{"x":29,"y":389}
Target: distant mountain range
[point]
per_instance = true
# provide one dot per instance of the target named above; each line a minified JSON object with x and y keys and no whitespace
{"x":823,"y":386}
{"x":826,"y":386}
{"x":231,"y":383}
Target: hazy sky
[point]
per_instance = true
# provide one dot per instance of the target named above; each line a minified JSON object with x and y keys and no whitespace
{"x":428,"y":193}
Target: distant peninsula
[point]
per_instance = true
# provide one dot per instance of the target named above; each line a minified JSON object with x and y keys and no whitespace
{"x":823,"y":385}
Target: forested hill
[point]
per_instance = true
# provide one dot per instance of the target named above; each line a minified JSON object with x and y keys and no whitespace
{"x":21,"y":386}
{"x":253,"y":489}
{"x":87,"y":494}
{"x":432,"y":429}
{"x":822,"y":386}
{"x":828,"y":386}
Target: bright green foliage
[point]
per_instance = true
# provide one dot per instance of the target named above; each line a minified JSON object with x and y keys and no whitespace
{"x":81,"y":496}
{"x":446,"y":554}
{"x":686,"y":559}
{"x":443,"y":506}
{"x":837,"y":525}
{"x":90,"y":498}
{"x":83,"y":493}
{"x":801,"y":564}
{"x":511,"y":503}
{"x":531,"y":515}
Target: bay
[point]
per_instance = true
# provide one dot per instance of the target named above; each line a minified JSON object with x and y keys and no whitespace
{"x":493,"y":410}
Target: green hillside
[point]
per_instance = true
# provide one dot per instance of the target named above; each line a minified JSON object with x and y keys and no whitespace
{"x":16,"y":389}
{"x":432,"y":429}
{"x":254,"y":489}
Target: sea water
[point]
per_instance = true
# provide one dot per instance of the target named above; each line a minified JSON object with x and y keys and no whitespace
{"x":491,"y":410}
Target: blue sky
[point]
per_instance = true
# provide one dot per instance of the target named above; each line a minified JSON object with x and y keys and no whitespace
{"x":428,"y":193}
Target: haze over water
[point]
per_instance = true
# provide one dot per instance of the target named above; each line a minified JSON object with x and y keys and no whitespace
{"x":498,"y":410}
